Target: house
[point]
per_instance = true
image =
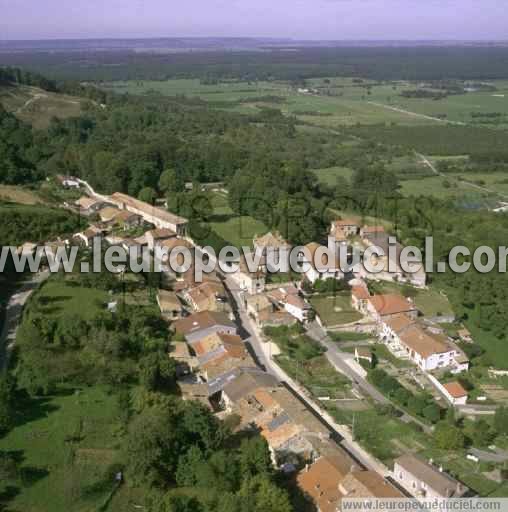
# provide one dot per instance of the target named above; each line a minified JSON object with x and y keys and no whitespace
{"x":108,"y":213}
{"x":363,"y":354}
{"x":170,"y":305}
{"x":384,"y":307}
{"x":127,"y":220}
{"x":67,"y":181}
{"x":251,"y":282}
{"x":371,"y":230}
{"x":87,"y":237}
{"x":185,"y":362}
{"x":396,"y":266}
{"x":465,"y":335}
{"x":424,"y":480}
{"x":367,"y":484}
{"x":202,"y":324}
{"x":160,"y":218}
{"x":219,"y":353}
{"x":320,"y":481}
{"x":156,"y":236}
{"x":246,"y":383}
{"x":330,"y":480}
{"x":255,"y":304}
{"x":424,"y":346}
{"x":273,"y":242}
{"x":455,"y":393}
{"x":359,"y":297}
{"x":346,"y":228}
{"x":89,"y":205}
{"x":319,"y":268}
{"x":209,"y":295}
{"x":288,"y":298}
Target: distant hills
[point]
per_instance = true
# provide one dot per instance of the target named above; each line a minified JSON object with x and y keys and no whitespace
{"x":185,"y":44}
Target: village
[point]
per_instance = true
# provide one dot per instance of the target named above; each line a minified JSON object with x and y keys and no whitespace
{"x":225,"y":359}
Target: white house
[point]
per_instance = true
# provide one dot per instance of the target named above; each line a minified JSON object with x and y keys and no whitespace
{"x":424,"y":480}
{"x":344,"y":228}
{"x":68,"y":181}
{"x":455,"y":393}
{"x":319,"y":266}
{"x":289,"y":298}
{"x":428,"y":350}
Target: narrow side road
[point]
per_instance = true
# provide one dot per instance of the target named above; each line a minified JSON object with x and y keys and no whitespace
{"x":338,"y":359}
{"x":13,"y":313}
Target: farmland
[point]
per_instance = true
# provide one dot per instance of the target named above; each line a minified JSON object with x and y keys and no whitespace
{"x":338,"y":101}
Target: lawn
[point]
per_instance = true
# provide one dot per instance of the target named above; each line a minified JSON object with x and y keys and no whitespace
{"x":235,"y":230}
{"x":335,"y":309}
{"x":342,"y":336}
{"x":56,"y":297}
{"x":431,"y":302}
{"x":66,"y":444}
{"x":383,"y":436}
{"x":382,"y":353}
{"x":238,"y":231}
{"x":329,"y":176}
{"x":303,"y":360}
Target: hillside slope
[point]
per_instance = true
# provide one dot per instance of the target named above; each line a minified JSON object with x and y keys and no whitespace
{"x":37,"y":106}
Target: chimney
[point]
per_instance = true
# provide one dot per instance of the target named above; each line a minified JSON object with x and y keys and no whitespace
{"x":306,"y":468}
{"x":440,"y":469}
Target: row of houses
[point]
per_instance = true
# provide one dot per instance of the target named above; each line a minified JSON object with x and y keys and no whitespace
{"x":408,"y":336}
{"x":331,"y":479}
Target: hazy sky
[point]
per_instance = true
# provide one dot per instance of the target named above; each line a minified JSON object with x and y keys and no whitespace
{"x":309,"y":19}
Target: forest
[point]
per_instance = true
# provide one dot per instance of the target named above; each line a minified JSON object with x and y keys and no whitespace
{"x":378,"y":63}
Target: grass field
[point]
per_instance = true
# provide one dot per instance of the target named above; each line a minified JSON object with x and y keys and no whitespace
{"x":36,"y":106}
{"x":17,"y":194}
{"x":237,"y":231}
{"x":335,"y":309}
{"x":66,"y":444}
{"x":429,"y":301}
{"x":329,"y":176}
{"x":57,"y":297}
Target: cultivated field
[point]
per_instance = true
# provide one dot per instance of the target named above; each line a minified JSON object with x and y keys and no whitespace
{"x":338,"y":101}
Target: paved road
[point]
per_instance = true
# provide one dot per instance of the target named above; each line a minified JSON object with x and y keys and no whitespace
{"x":338,"y":359}
{"x":495,"y":456}
{"x":415,"y":114}
{"x":432,"y":167}
{"x":13,"y":313}
{"x":251,"y":334}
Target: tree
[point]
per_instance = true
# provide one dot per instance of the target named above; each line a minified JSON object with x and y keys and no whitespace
{"x":148,"y":195}
{"x":501,"y":420}
{"x":263,"y":495}
{"x":153,"y":446}
{"x":254,"y":457}
{"x":432,"y":412}
{"x":448,"y":437}
{"x":6,"y":402}
{"x":481,"y":434}
{"x":157,"y":372}
{"x":169,"y":182}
